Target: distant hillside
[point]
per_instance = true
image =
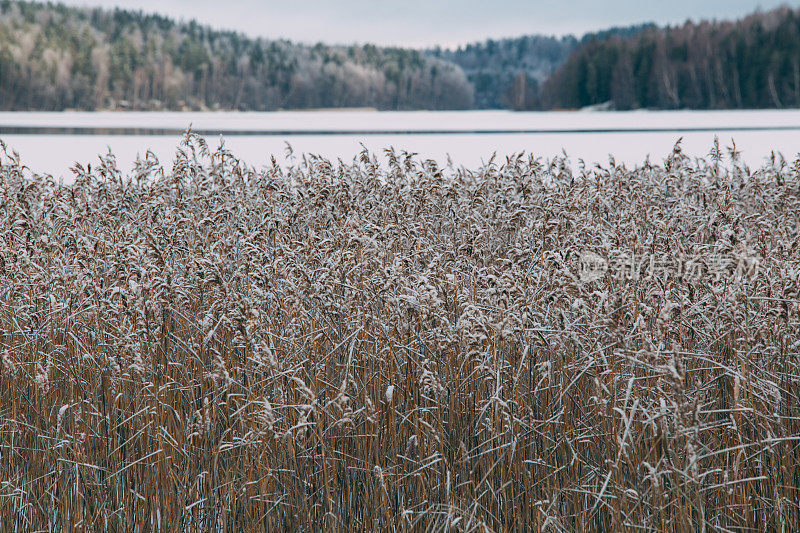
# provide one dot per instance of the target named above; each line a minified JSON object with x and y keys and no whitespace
{"x":508,"y":73}
{"x":495,"y":66}
{"x":750,"y":63}
{"x":54,"y":57}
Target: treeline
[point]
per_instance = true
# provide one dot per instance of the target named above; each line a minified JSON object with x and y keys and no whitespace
{"x":507,"y":72}
{"x":54,"y":57}
{"x":750,"y":63}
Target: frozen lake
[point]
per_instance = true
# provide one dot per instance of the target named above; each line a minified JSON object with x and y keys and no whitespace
{"x":53,"y":142}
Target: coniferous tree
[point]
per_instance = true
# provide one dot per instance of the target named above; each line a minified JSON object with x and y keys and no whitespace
{"x":751,"y":63}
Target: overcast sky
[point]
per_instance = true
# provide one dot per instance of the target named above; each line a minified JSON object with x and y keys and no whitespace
{"x":430,"y":22}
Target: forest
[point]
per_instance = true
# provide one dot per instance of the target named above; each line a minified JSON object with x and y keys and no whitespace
{"x":508,"y":73}
{"x":504,"y":72}
{"x":54,"y":57}
{"x":750,"y":63}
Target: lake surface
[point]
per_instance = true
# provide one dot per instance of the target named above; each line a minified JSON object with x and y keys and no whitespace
{"x":53,"y":142}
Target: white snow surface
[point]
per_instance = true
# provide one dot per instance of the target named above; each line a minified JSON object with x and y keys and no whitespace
{"x":356,"y":120}
{"x":468,"y":137}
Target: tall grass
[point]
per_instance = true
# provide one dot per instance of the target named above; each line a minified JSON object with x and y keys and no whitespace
{"x":393,"y":345}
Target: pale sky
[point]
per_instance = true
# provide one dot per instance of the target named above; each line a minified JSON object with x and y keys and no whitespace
{"x":429,"y":22}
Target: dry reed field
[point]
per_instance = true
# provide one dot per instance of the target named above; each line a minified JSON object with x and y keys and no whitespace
{"x":389,"y":345}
